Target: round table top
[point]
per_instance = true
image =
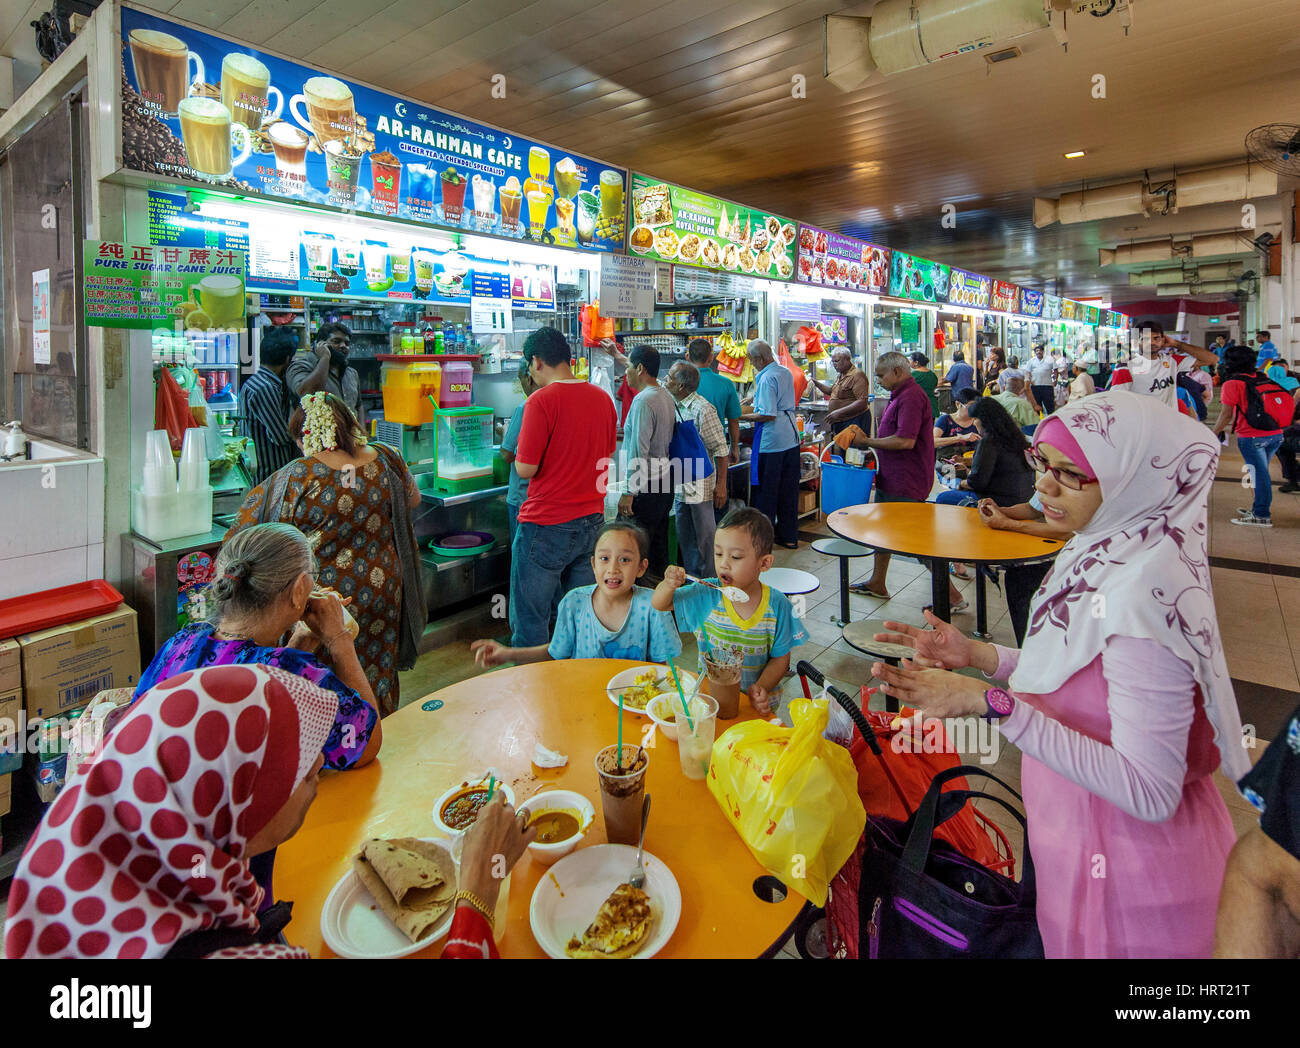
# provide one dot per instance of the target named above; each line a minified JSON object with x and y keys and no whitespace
{"x":790,"y":581}
{"x":926,"y":529}
{"x":494,"y":720}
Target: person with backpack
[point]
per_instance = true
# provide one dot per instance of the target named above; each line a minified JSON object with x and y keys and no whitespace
{"x":1258,"y":409}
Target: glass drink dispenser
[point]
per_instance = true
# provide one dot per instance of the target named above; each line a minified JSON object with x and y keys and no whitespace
{"x":464,"y":449}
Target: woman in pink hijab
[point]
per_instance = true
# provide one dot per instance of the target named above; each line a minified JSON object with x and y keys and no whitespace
{"x":1120,"y":700}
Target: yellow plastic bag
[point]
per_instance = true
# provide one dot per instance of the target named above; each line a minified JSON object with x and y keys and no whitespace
{"x":791,"y":795}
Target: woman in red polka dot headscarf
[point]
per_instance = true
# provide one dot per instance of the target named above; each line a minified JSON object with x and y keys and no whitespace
{"x":146,"y":852}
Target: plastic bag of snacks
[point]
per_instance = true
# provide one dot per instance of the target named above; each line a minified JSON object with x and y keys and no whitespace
{"x":791,"y":795}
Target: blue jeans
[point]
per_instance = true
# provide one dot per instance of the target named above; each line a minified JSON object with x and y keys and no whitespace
{"x":1257,"y":451}
{"x":956,"y":498}
{"x":696,"y":526}
{"x":546,"y":561}
{"x":512,"y":518}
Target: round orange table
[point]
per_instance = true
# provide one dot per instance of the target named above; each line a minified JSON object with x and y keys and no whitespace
{"x":941,"y":534}
{"x":494,"y":720}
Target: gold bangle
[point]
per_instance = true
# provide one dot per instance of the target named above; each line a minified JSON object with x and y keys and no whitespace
{"x":477,"y":904}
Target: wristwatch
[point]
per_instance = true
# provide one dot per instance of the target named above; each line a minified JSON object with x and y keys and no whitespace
{"x":1000,"y":704}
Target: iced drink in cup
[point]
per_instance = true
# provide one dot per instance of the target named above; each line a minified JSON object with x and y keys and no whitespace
{"x":724,"y":685}
{"x":695,"y":737}
{"x":622,"y":785}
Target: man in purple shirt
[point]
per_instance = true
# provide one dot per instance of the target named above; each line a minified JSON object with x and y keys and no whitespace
{"x":904,"y":454}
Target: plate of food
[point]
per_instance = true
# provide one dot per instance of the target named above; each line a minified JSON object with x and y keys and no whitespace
{"x":652,"y":205}
{"x":640,"y":684}
{"x":666,"y":242}
{"x":690,"y":248}
{"x":396,"y":900}
{"x":787,"y":233}
{"x":785,"y":267}
{"x":773,"y":226}
{"x":711,"y":254}
{"x":584,"y":907}
{"x":642,"y":239}
{"x":456,"y":810}
{"x":729,"y":255}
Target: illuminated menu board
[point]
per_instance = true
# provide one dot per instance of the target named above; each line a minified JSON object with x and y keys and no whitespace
{"x":969,"y":289}
{"x":1005,"y":296}
{"x":832,"y":260}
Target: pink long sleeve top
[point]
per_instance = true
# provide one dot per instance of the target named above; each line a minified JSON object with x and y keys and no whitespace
{"x":1137,"y":744}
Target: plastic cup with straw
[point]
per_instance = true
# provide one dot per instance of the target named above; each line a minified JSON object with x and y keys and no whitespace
{"x":618,"y":768}
{"x":686,"y":706}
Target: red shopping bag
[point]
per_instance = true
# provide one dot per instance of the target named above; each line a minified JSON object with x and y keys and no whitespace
{"x":595,"y":328}
{"x":786,"y":361}
{"x":810,"y":343}
{"x":171,"y":409}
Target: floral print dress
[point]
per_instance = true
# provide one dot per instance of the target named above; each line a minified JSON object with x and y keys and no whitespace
{"x":347,"y":514}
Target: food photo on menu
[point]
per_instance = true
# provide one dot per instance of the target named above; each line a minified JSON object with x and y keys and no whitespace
{"x":197,"y":109}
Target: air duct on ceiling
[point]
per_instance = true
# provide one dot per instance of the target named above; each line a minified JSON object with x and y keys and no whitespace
{"x":1220,"y":271}
{"x":1218,"y":287}
{"x":1174,"y":290}
{"x":1220,"y":244}
{"x":908,"y":34}
{"x":1128,"y":198}
{"x":1220,"y":185}
{"x":1136,"y":254}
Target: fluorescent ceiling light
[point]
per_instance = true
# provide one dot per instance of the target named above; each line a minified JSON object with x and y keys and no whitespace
{"x":1075,"y":155}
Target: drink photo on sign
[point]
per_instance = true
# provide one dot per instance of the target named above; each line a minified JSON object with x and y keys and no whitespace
{"x":247,"y":92}
{"x":161,"y":64}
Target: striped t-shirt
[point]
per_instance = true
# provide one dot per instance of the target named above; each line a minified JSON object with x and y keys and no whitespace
{"x":772,"y":631}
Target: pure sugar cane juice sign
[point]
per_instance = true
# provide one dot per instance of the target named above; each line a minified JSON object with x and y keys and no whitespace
{"x":143,"y":286}
{"x":680,"y":225}
{"x":270,"y":126}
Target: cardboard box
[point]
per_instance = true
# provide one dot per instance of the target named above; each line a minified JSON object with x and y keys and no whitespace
{"x":807,"y":501}
{"x":11,"y":746}
{"x":6,"y":794}
{"x":11,"y":670}
{"x":64,"y":667}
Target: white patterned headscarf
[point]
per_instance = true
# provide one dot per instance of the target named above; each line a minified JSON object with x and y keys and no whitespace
{"x":1140,"y":568}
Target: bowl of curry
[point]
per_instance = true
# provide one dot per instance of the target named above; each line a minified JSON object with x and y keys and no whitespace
{"x":561,"y":818}
{"x":457,"y":809}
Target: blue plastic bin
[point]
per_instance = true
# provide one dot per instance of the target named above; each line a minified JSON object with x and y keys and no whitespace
{"x":844,"y":485}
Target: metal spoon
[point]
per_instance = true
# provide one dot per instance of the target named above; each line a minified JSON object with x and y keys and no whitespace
{"x":733,"y":593}
{"x":637,"y":880}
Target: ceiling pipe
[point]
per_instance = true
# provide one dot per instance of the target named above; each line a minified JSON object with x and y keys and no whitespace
{"x":1220,"y":185}
{"x":1221,"y":244}
{"x":1217,"y":287}
{"x":1135,"y":254}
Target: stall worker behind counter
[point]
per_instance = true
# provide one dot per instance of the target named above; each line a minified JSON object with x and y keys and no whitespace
{"x":848,"y":398}
{"x":324,"y":368}
{"x":776,"y":444}
{"x":265,"y":405}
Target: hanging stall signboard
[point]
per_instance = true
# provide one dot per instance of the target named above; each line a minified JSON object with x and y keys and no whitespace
{"x":1091,"y":315}
{"x":918,"y":278}
{"x":675,"y":224}
{"x":832,"y":260}
{"x":1031,"y":303}
{"x":212,"y":112}
{"x":1070,"y":310}
{"x":142,"y":286}
{"x":969,"y":289}
{"x":627,"y":287}
{"x":1052,"y":307}
{"x":1005,"y":296}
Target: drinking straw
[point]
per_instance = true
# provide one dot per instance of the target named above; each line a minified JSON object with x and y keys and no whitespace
{"x":618,"y":766}
{"x":686,"y":706}
{"x":492,"y":785}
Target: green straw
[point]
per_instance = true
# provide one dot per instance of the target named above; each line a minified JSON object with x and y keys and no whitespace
{"x":492,"y":785}
{"x":618,"y":761}
{"x":686,"y":706}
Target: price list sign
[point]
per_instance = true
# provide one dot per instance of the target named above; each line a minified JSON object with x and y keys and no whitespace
{"x":627,"y":286}
{"x":142,"y":286}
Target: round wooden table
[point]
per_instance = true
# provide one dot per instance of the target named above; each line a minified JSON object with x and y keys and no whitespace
{"x":494,"y":720}
{"x":941,"y":534}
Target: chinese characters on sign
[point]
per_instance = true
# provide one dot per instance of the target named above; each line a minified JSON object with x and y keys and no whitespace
{"x":142,"y":286}
{"x":627,"y":287}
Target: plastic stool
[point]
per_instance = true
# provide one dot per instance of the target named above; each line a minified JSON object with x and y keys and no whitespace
{"x":844,"y":550}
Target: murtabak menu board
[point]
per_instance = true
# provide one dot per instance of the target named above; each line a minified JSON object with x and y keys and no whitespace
{"x":969,"y":289}
{"x":1031,"y":302}
{"x":1005,"y":296}
{"x":679,"y":225}
{"x":209,"y":111}
{"x":833,"y":260}
{"x":918,"y":278}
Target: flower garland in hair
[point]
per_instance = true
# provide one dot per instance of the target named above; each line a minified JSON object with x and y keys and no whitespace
{"x":319,"y":432}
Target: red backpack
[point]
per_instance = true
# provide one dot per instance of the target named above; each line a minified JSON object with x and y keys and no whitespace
{"x":1268,"y":405}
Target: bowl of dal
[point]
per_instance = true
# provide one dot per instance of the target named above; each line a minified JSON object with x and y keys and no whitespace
{"x":457,"y":809}
{"x":562,"y":818}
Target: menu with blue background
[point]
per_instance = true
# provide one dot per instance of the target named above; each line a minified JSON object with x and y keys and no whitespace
{"x":209,"y":111}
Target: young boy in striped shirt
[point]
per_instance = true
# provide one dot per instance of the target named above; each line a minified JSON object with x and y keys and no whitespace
{"x":761,"y":631}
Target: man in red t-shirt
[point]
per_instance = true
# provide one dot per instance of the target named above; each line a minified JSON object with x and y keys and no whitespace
{"x":566,"y":446}
{"x":1257,"y":446}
